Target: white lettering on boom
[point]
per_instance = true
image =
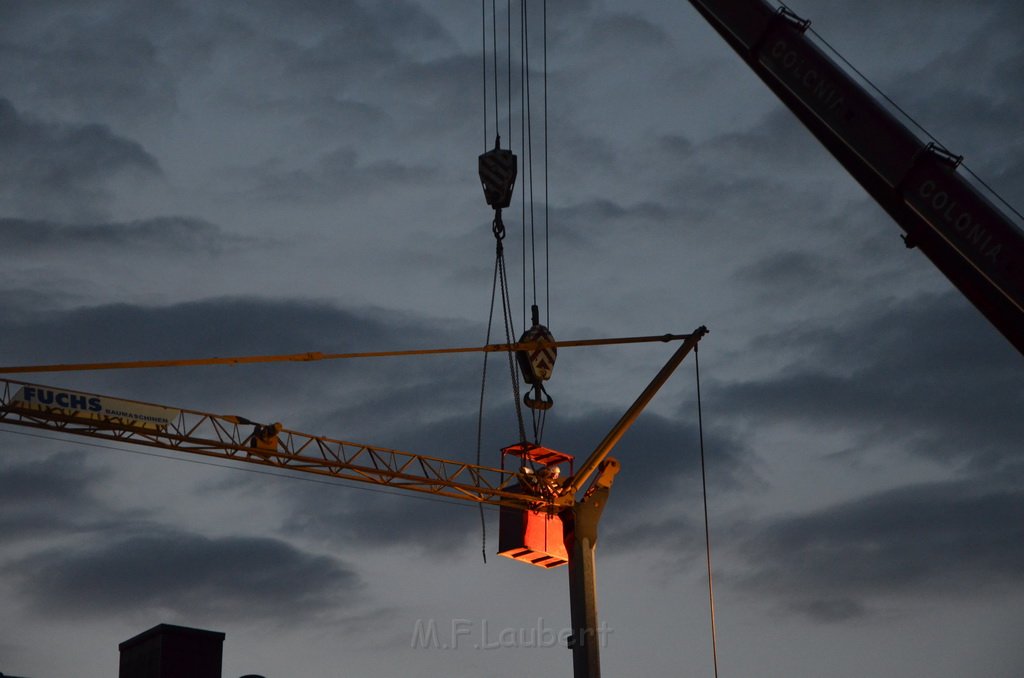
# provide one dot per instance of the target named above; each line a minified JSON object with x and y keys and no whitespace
{"x":963,"y":222}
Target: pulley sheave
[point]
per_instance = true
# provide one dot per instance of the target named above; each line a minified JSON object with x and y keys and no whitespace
{"x":498,"y":168}
{"x":537,"y":363}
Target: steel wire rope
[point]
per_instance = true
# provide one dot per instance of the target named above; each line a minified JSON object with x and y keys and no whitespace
{"x":921,"y":128}
{"x":528,"y":146}
{"x":508,"y":48}
{"x":497,"y":228}
{"x":523,"y":74}
{"x":993,"y":192}
{"x":537,"y":418}
{"x":480,"y":413}
{"x":509,"y":333}
{"x":483,"y":64}
{"x":494,"y":66}
{"x":540,"y":417}
{"x":547,"y":199}
{"x":707,"y":528}
{"x":494,"y":60}
{"x":871,"y":84}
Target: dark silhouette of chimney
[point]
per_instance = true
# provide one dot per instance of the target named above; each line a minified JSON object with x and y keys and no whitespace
{"x":168,"y":651}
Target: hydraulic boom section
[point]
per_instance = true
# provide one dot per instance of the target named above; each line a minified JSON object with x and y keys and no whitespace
{"x":973,"y":242}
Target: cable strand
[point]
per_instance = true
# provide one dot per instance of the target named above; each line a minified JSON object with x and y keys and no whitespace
{"x":529,"y":148}
{"x":494,"y":59}
{"x":483,"y":61}
{"x":707,"y":529}
{"x":480,"y":413}
{"x":547,"y":201}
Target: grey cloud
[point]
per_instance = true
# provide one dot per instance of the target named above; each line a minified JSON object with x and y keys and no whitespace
{"x":575,"y":229}
{"x":986,"y":86}
{"x":631,"y":29}
{"x":412,"y":412}
{"x":411,"y":396}
{"x":676,"y":146}
{"x":976,"y":111}
{"x":309,"y":393}
{"x":398,"y":25}
{"x":965,"y":104}
{"x":60,"y":170}
{"x":786,"y":272}
{"x":660,"y":459}
{"x":125,"y":63}
{"x":29,"y":491}
{"x":829,"y":609}
{"x":588,"y":47}
{"x":360,"y":516}
{"x":246,"y":325}
{"x":838,"y":563}
{"x":657,"y":452}
{"x":605,"y":40}
{"x":325,"y":115}
{"x":413,"y":401}
{"x":960,"y":400}
{"x":680,"y":537}
{"x":331,"y":56}
{"x":93,"y":61}
{"x":414,"y":418}
{"x":608,"y":211}
{"x":439,"y":87}
{"x":167,"y":571}
{"x":333,"y":176}
{"x":968,"y":94}
{"x":174,"y":233}
{"x":413,"y":25}
{"x":682,"y":182}
{"x":383,"y":30}
{"x":340,"y":50}
{"x":777,"y":141}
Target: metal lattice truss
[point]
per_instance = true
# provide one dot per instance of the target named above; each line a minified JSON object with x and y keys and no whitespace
{"x":239,"y":439}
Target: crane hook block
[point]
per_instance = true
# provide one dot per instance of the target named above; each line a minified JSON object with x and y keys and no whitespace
{"x":537,"y":363}
{"x":498,"y":170}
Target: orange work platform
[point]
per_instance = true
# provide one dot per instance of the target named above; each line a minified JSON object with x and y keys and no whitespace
{"x":537,"y":454}
{"x":534,"y":537}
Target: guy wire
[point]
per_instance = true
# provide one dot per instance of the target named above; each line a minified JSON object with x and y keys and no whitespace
{"x":707,"y":529}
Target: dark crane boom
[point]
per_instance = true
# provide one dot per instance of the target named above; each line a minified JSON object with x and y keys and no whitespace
{"x":970,"y":239}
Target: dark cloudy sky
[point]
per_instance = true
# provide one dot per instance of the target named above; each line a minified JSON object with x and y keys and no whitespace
{"x":192,"y":179}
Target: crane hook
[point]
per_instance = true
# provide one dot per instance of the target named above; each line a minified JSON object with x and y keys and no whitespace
{"x":538,"y":399}
{"x":537,"y":363}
